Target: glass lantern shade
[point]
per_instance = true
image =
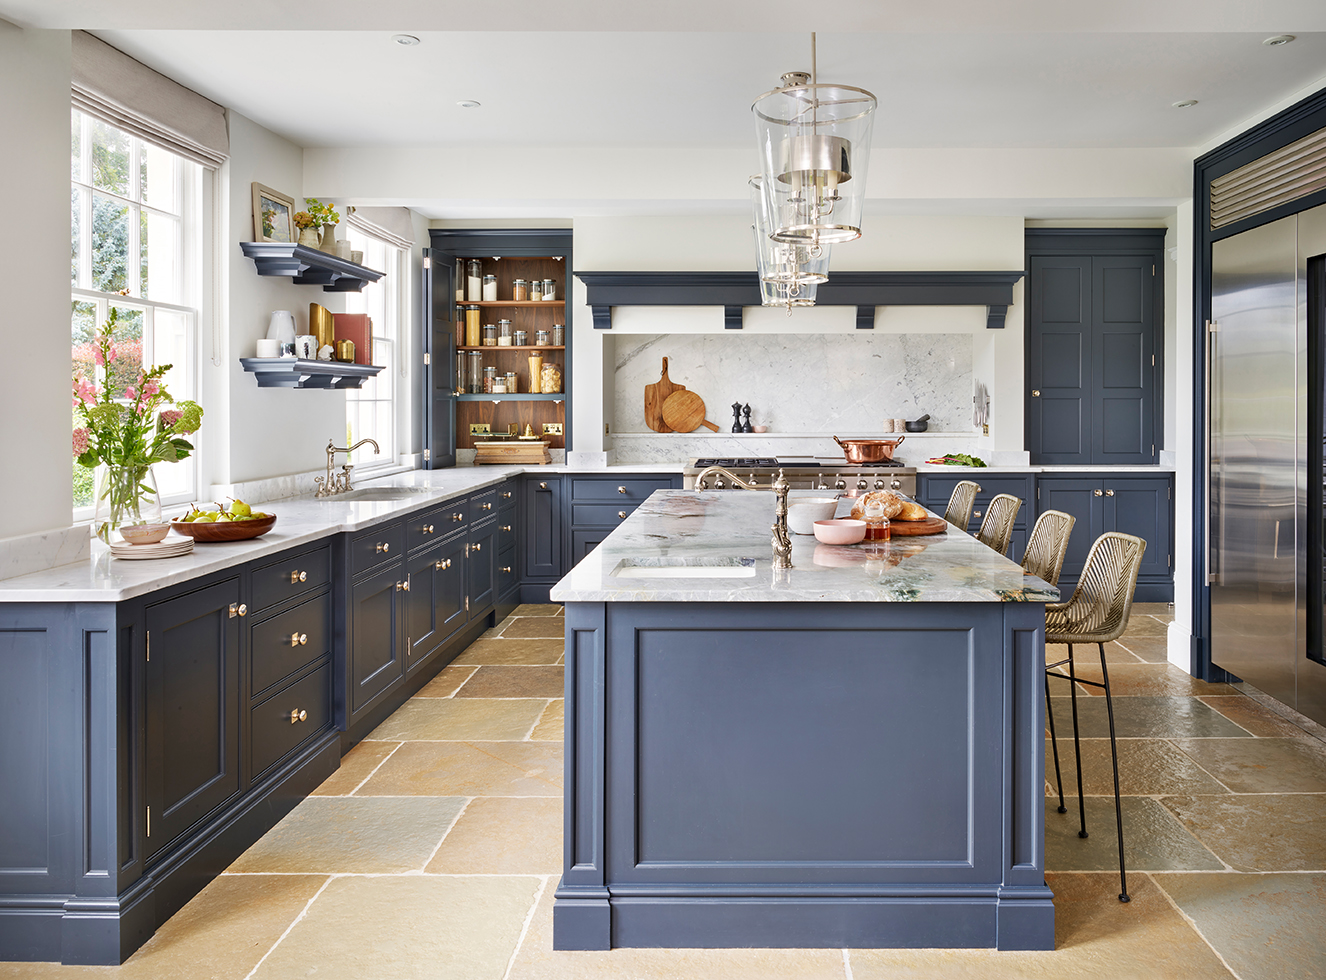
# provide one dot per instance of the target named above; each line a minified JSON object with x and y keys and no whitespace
{"x":780,"y":294}
{"x":814,"y":144}
{"x":791,"y":267}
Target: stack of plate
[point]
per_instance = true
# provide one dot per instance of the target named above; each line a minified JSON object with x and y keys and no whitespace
{"x":170,"y":548}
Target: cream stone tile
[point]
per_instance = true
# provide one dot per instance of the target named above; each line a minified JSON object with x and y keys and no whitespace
{"x":497,"y":651}
{"x":514,"y":682}
{"x":1152,"y":649}
{"x":504,"y":836}
{"x":1127,"y":680}
{"x":470,"y":769}
{"x":1255,"y":718}
{"x":406,"y":928}
{"x":547,"y":627}
{"x":1152,"y":839}
{"x":1258,"y":833}
{"x":538,"y":609}
{"x":1261,"y":765}
{"x":461,"y":719}
{"x":551,"y":726}
{"x":1147,"y":767}
{"x":355,"y":768}
{"x":1087,"y":653}
{"x":447,"y":681}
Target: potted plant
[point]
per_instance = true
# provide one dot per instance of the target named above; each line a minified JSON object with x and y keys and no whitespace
{"x":326,"y":217}
{"x":308,"y":229}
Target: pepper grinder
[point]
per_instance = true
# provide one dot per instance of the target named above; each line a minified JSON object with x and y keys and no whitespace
{"x":746,"y":426}
{"x":736,"y":417}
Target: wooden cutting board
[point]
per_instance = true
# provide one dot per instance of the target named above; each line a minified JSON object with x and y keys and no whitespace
{"x":931,"y":525}
{"x":684,"y":412}
{"x":655,"y":395}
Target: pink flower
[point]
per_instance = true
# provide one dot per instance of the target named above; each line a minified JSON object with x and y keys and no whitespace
{"x":131,"y":393}
{"x":85,"y":392}
{"x":151,"y":388}
{"x":170,"y":416}
{"x":97,"y":356}
{"x":80,"y":442}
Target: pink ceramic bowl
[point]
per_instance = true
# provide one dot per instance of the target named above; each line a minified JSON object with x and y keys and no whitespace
{"x":841,"y":531}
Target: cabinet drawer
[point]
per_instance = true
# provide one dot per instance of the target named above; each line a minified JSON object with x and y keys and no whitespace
{"x":285,"y":643}
{"x":483,"y":505}
{"x":583,"y":514}
{"x":434,"y":524}
{"x":506,"y":530}
{"x":633,"y":490}
{"x":376,"y":545}
{"x":275,"y":734}
{"x":506,"y":571}
{"x":290,"y":576}
{"x":506,"y":497}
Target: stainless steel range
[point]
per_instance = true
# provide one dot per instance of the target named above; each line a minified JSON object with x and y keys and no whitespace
{"x":808,"y":473}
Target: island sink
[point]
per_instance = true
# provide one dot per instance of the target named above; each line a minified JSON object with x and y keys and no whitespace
{"x":685,"y":568}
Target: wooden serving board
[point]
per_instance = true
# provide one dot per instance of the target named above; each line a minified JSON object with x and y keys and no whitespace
{"x":931,"y":525}
{"x":655,"y":395}
{"x":684,"y":412}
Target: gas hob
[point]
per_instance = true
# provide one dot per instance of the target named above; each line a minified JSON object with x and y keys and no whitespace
{"x":808,"y":473}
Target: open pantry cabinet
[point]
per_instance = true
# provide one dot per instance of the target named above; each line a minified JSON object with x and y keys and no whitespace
{"x":452,"y":409}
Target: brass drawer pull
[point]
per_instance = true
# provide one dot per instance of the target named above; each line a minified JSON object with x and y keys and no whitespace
{"x":621,"y":489}
{"x":506,"y":494}
{"x":505,"y":527}
{"x":1109,"y":493}
{"x":442,"y":564}
{"x":506,"y":569}
{"x":298,"y":639}
{"x":384,"y":547}
{"x":243,"y":609}
{"x":458,"y":517}
{"x":543,"y":486}
{"x":1096,"y":492}
{"x":487,"y":506}
{"x":298,"y":715}
{"x":403,"y":586}
{"x":476,"y":547}
{"x":621,"y":514}
{"x":297,"y":577}
{"x":428,"y":529}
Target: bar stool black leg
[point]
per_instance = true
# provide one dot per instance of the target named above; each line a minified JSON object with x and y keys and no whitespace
{"x":1077,"y":746}
{"x":1054,"y":745}
{"x":1114,"y":757}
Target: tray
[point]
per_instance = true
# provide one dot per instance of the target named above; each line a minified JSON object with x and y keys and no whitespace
{"x":906,"y":529}
{"x":224,"y":531}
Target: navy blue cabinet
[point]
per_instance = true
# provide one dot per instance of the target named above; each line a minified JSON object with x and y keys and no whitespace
{"x":543,"y":534}
{"x":934,"y":490}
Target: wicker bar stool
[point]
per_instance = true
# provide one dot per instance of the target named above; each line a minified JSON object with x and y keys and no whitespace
{"x":1047,"y":545}
{"x":1097,"y":613}
{"x":959,"y":503}
{"x":997,"y":524}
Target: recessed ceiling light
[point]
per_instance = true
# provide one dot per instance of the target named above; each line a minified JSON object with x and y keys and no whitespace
{"x":1185,"y":104}
{"x":1279,"y":39}
{"x":405,"y":40}
{"x":468,"y":104}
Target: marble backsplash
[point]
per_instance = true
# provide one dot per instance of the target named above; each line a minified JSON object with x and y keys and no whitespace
{"x":804,"y":383}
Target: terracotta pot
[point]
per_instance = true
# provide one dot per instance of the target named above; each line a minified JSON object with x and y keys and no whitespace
{"x":869,"y":450}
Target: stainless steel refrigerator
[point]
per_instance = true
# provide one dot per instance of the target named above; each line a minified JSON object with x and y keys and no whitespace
{"x":1264,"y":523}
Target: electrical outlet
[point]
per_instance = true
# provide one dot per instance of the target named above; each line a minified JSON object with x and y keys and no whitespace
{"x":480,"y":428}
{"x":605,"y":428}
{"x":552,"y":428}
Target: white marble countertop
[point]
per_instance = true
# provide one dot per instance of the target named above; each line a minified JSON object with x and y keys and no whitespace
{"x":714,"y":546}
{"x":1044,"y":468}
{"x":299,"y":520}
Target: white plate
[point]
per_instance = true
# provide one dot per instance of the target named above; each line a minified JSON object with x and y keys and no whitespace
{"x":162,"y":549}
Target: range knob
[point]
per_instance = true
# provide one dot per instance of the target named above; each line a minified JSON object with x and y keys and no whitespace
{"x":879,"y":484}
{"x":841,"y":484}
{"x":719,"y":484}
{"x":824,"y":486}
{"x":895,"y":485}
{"x":861,"y":484}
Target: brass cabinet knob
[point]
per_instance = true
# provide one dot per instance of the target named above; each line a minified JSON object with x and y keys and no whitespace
{"x":621,"y":514}
{"x":1096,"y":492}
{"x":506,"y":570}
{"x":476,"y":547}
{"x":1109,"y":493}
{"x":297,"y":577}
{"x":1035,"y":392}
{"x":384,"y":547}
{"x":428,"y":529}
{"x":621,"y":489}
{"x":976,"y":513}
{"x":403,"y":586}
{"x":243,"y":609}
{"x":458,"y":517}
{"x":298,"y":639}
{"x":505,"y":527}
{"x":543,"y":486}
{"x":487,"y":506}
{"x":506,"y":494}
{"x":298,"y":715}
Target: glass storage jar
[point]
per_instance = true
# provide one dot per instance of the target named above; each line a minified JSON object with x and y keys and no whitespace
{"x":473,"y":329}
{"x":503,"y":333}
{"x":559,"y":335}
{"x":474,"y":372}
{"x":536,"y":289}
{"x":549,"y":289}
{"x":519,"y":291}
{"x":489,"y":376}
{"x":490,"y":289}
{"x":512,"y":385}
{"x":542,"y":337}
{"x":522,"y":338}
{"x":474,"y":280}
{"x":551,"y":380}
{"x":490,"y":335}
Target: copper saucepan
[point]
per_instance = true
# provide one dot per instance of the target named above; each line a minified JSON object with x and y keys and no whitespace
{"x":869,"y":450}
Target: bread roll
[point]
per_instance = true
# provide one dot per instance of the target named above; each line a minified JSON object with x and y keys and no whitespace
{"x":893,"y":504}
{"x":911,"y":511}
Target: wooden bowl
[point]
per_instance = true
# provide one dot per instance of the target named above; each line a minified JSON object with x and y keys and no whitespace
{"x":144,"y":533}
{"x":225,"y":530}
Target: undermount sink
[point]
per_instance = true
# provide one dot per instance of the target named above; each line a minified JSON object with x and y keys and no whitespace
{"x":380,"y":493}
{"x":685,"y":568}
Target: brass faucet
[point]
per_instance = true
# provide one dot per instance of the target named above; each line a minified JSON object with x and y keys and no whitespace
{"x":339,"y":483}
{"x":782,"y":540}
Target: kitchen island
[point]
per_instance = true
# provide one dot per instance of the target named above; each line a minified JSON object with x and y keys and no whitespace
{"x":846,"y":753}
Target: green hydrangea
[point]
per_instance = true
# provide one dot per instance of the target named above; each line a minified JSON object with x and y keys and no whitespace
{"x":191,"y":417}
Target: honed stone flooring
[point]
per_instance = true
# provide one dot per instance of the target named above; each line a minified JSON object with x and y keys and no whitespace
{"x":434,"y":851}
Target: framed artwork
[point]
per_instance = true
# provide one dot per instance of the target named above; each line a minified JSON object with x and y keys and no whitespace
{"x":273,"y":216}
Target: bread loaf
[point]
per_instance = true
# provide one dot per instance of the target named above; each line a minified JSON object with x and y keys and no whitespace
{"x":892,"y":502}
{"x":911,"y":511}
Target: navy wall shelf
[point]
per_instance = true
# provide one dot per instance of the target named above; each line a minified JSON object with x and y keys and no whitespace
{"x":309,"y":266}
{"x":294,"y":372}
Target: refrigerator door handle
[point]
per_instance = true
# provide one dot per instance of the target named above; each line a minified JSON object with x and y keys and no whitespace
{"x":1275,"y":546}
{"x":1211,"y":330}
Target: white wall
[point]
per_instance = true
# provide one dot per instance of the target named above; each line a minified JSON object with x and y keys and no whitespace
{"x":36,"y":489}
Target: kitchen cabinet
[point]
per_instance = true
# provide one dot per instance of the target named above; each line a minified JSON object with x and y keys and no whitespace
{"x":435,"y":601}
{"x":1138,"y":505}
{"x":543,"y":532}
{"x":934,"y":490}
{"x":377,"y":654}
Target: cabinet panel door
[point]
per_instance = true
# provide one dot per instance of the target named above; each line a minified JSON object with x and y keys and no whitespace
{"x":439,"y":387}
{"x":482,"y":567}
{"x":435,"y":605}
{"x":1084,"y":500}
{"x":1141,"y":507}
{"x":1122,"y":348}
{"x":376,"y":650}
{"x":583,"y":542}
{"x":1059,"y":418}
{"x":543,"y":528}
{"x":192,"y":709}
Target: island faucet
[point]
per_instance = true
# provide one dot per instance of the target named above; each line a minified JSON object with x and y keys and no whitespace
{"x":340,"y":483}
{"x":782,"y":540}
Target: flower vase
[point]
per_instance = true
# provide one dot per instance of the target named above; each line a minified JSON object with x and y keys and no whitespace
{"x":125,"y":495}
{"x":308,"y":237}
{"x":329,"y":239}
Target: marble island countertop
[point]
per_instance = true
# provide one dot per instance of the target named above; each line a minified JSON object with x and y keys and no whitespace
{"x":714,"y":546}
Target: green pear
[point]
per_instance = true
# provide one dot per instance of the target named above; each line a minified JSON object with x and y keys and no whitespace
{"x":239,"y":508}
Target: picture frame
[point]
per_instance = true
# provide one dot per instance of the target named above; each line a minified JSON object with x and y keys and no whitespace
{"x":273,"y":216}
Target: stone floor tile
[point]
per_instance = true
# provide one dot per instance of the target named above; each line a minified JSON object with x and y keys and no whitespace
{"x":1147,"y":717}
{"x":1163,"y":611}
{"x":1151,"y":649}
{"x":460,"y":719}
{"x":1153,"y":840}
{"x":1127,"y":680}
{"x":1082,"y":653}
{"x":1255,"y":718}
{"x":1258,"y":833}
{"x":406,"y":928}
{"x":1096,"y":937}
{"x":551,"y":725}
{"x":531,"y":627}
{"x":537,"y":960}
{"x":1267,"y":927}
{"x":504,"y":836}
{"x":1147,"y":767}
{"x":496,"y":650}
{"x":331,"y":835}
{"x":1261,"y":765}
{"x":356,"y":766}
{"x":514,"y":682}
{"x":1145,"y":626}
{"x":538,"y":609}
{"x":447,"y":681}
{"x":221,"y":933}
{"x":470,"y":769}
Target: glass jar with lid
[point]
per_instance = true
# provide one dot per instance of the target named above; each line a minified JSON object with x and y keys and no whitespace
{"x":522,"y":338}
{"x":490,"y":335}
{"x":536,"y":289}
{"x":474,"y":280}
{"x":511,"y":383}
{"x":489,"y":376}
{"x":542,"y":338}
{"x":473,"y":328}
{"x":474,"y":372}
{"x":503,"y":333}
{"x":549,"y":289}
{"x":519,"y":291}
{"x":490,"y":289}
{"x":559,"y":335}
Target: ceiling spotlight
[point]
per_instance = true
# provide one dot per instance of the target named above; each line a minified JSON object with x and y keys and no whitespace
{"x":405,"y":40}
{"x":1185,"y":104}
{"x":1279,"y":39}
{"x":469,"y":104}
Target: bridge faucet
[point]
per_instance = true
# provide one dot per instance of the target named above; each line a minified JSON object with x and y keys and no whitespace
{"x":782,"y":540}
{"x":340,"y":482}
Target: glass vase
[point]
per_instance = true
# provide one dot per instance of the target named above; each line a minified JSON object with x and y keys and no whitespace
{"x":125,"y":495}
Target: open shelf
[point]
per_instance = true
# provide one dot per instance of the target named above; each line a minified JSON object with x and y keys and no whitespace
{"x":524,"y":303}
{"x":293,"y":372}
{"x":309,"y":266}
{"x":513,"y":397}
{"x":500,"y":347}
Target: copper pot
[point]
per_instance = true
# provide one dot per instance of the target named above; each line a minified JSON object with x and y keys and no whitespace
{"x":869,"y":450}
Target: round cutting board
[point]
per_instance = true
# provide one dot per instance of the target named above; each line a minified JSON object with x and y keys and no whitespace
{"x":684,"y":412}
{"x":931,"y":525}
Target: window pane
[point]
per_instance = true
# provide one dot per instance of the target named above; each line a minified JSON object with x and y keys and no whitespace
{"x":127,"y":348}
{"x":110,"y":244}
{"x":158,"y":178}
{"x":76,"y":146}
{"x":75,"y":232}
{"x":170,"y":340}
{"x":110,"y":158}
{"x":160,"y":244}
{"x":83,"y":324}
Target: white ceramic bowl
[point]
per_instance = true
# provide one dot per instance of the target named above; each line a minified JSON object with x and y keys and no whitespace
{"x":144,"y":533}
{"x":803,"y":512}
{"x":842,"y":531}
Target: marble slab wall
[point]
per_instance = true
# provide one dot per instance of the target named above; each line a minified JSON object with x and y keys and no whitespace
{"x":804,"y":383}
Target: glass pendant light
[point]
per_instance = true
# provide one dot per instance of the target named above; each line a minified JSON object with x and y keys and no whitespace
{"x":788,"y":273}
{"x":814,"y":145}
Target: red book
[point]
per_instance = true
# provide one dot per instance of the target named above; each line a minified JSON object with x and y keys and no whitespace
{"x":358,"y":328}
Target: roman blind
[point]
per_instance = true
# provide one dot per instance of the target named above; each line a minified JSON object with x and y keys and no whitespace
{"x":392,"y":225}
{"x":1289,"y":173}
{"x":130,"y":96}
